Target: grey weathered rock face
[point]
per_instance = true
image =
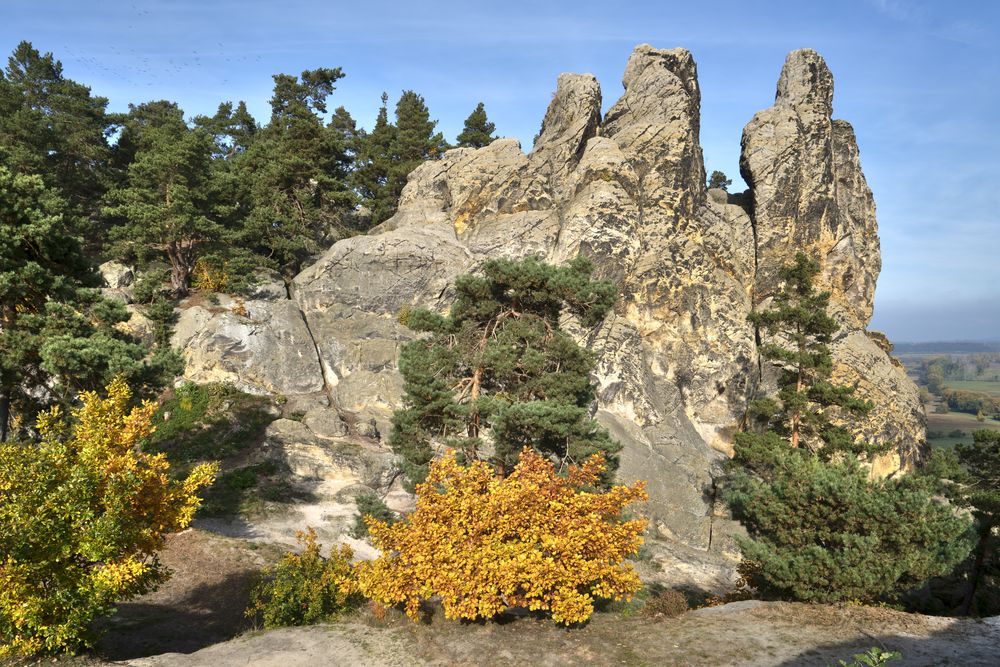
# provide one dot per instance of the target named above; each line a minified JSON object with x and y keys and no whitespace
{"x":350,"y":461}
{"x":119,"y":281}
{"x":677,"y":360}
{"x":810,"y":194}
{"x":260,"y":346}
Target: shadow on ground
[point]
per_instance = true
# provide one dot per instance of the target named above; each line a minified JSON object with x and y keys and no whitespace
{"x":206,"y":615}
{"x":966,"y":644}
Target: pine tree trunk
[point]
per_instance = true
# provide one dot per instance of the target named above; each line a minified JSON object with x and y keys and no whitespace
{"x":4,"y":414}
{"x":180,"y":271}
{"x":977,"y":571}
{"x":477,"y":381}
{"x":798,"y":389}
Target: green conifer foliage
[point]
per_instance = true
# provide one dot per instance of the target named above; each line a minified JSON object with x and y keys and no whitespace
{"x":718,"y":180}
{"x":981,"y":491}
{"x":51,"y":126}
{"x":57,"y":335}
{"x":165,"y":205}
{"x":497,"y":373}
{"x":233,"y":129}
{"x":294,"y":174}
{"x":478,"y":130}
{"x":388,"y":154}
{"x":819,"y":528}
{"x":823,"y":531}
{"x":373,"y":164}
{"x":801,"y":331}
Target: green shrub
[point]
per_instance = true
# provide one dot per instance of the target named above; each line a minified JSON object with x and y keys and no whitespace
{"x":209,"y":421}
{"x":83,"y":513}
{"x":824,"y":532}
{"x":233,"y":488}
{"x":369,"y":504}
{"x":873,"y":657}
{"x":304,"y":588}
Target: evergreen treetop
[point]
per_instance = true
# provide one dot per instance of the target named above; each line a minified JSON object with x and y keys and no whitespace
{"x":718,"y":180}
{"x":498,"y":374}
{"x":415,"y":140}
{"x":800,"y":332}
{"x":53,"y":127}
{"x":294,"y":175}
{"x":387,"y":155}
{"x":166,"y":204}
{"x":478,"y":130}
{"x":373,"y":165}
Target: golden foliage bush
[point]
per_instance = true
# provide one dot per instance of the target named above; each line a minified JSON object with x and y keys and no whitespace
{"x":82,"y":515}
{"x":483,"y":544}
{"x":210,"y":276}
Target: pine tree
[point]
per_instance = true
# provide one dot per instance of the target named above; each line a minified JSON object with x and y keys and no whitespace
{"x":819,"y":529}
{"x":478,"y":130}
{"x":824,"y":531}
{"x":165,"y":205}
{"x":388,"y":154}
{"x":498,"y":374}
{"x":415,"y":140}
{"x":57,"y":335}
{"x":294,"y":174}
{"x":981,"y":491}
{"x":53,"y":127}
{"x":800,"y":331}
{"x":718,"y":180}
{"x":373,"y":165}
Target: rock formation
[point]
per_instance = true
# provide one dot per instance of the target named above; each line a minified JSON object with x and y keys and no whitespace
{"x":677,"y":359}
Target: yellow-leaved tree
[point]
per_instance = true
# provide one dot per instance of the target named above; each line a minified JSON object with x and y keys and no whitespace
{"x":482,"y":543}
{"x":82,"y":514}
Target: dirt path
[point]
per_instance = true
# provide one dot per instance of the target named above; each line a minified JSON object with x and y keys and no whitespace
{"x":200,"y":605}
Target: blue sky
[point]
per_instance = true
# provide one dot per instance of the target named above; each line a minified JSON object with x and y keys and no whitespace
{"x":920,"y":81}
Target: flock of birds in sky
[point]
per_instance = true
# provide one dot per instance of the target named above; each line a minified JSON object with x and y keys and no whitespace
{"x":141,"y":67}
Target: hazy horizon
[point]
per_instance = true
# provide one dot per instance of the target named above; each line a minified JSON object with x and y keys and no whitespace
{"x":919,"y":81}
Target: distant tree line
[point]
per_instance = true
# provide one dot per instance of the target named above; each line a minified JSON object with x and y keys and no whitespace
{"x":937,"y":371}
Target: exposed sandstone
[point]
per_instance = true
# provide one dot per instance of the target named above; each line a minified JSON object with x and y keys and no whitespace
{"x":261,"y":347}
{"x":810,"y":194}
{"x":677,"y":360}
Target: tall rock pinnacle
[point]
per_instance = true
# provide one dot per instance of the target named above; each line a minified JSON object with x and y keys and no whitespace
{"x":809,"y":192}
{"x":677,"y":361}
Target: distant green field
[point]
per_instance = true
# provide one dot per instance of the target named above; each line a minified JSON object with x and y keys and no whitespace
{"x":956,"y":420}
{"x":982,"y":386}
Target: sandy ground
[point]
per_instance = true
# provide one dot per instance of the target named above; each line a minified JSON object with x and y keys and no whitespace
{"x":745,"y":633}
{"x":197,"y":619}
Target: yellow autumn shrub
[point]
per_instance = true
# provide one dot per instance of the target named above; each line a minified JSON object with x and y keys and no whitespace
{"x":82,"y":514}
{"x":482,"y":544}
{"x":209,"y":276}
